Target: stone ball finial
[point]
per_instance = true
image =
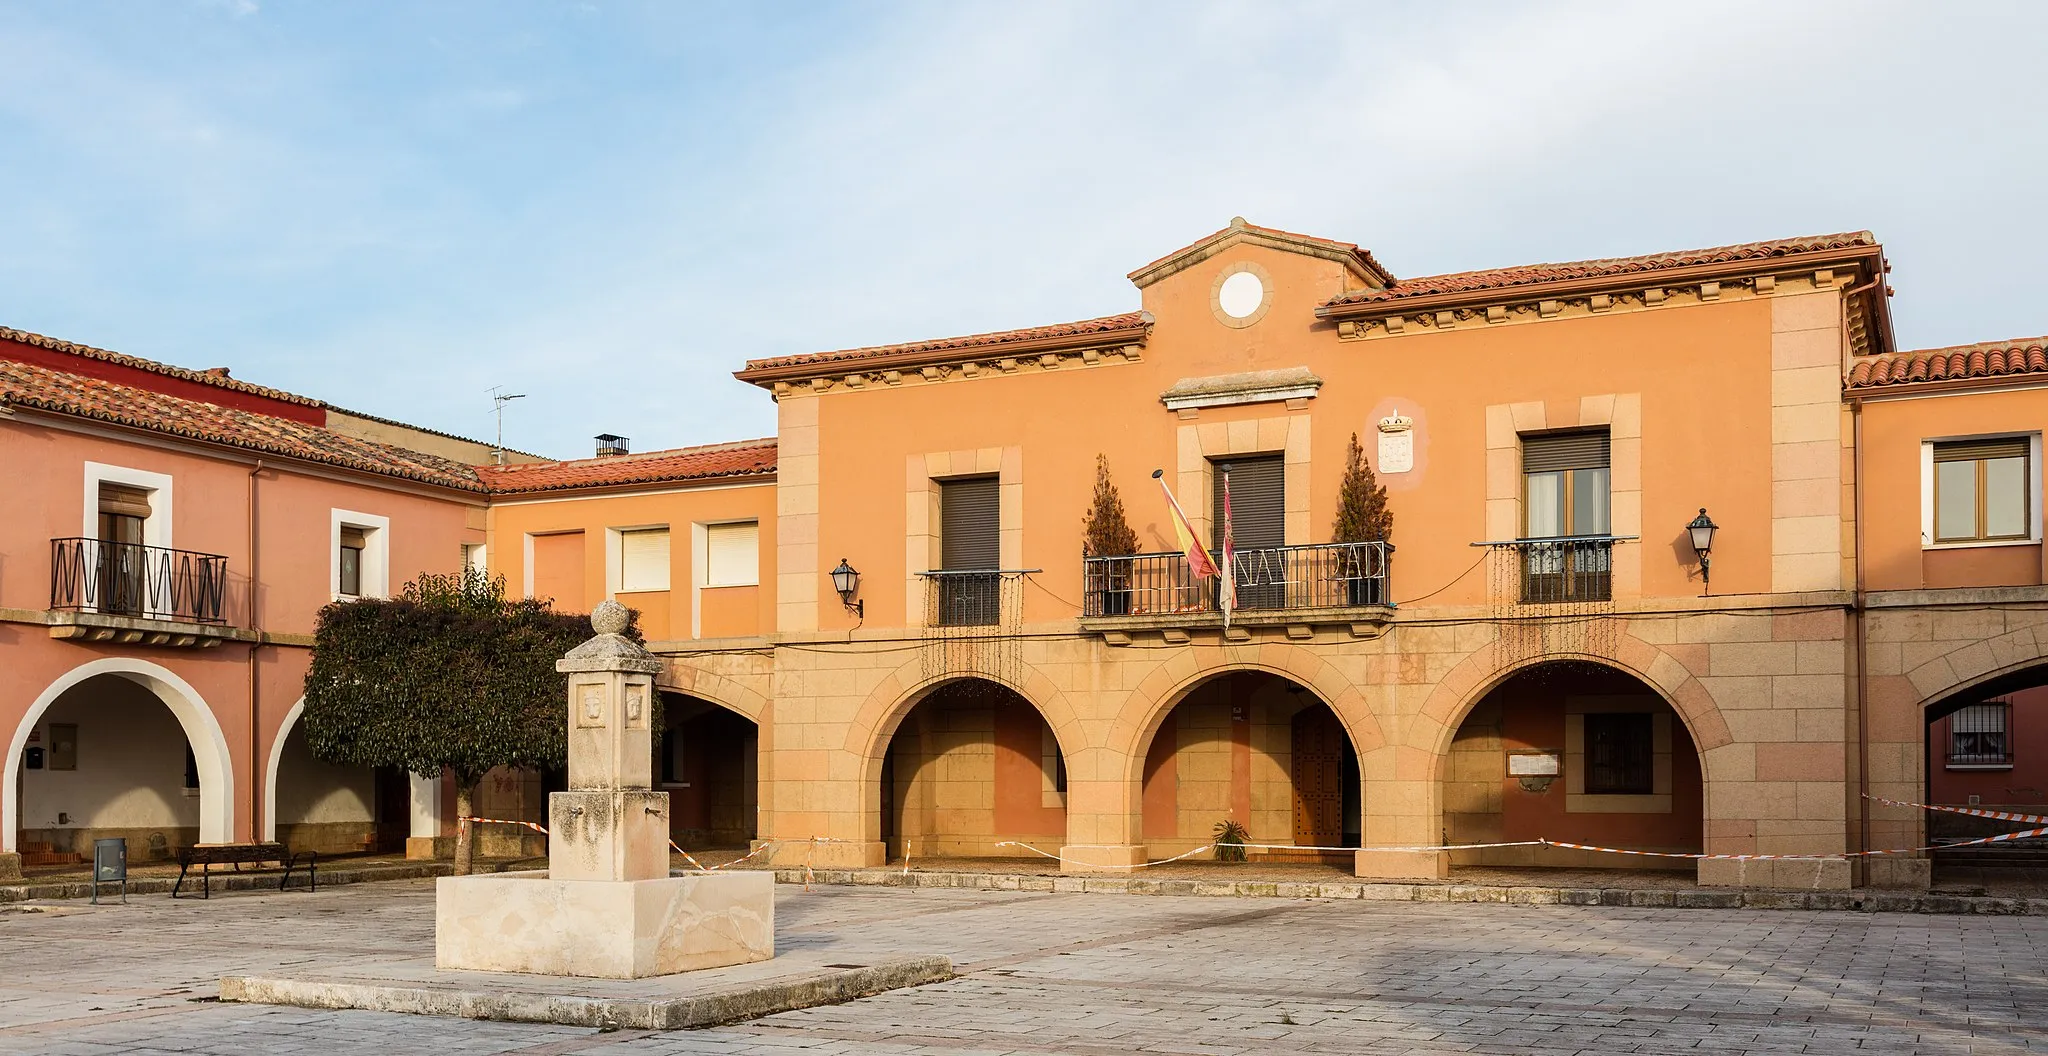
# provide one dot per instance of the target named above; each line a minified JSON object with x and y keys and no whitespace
{"x":610,"y":617}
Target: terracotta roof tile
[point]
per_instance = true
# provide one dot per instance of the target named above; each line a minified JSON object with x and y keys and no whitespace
{"x":1081,"y":328}
{"x":30,"y":385}
{"x":1531,"y":274}
{"x":1991,"y":359}
{"x":216,"y":377}
{"x":743,"y":458}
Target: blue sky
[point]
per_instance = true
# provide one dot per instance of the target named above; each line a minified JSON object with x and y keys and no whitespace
{"x":610,"y":206}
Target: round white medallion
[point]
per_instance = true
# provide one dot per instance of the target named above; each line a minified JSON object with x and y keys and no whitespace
{"x":1241,"y":295}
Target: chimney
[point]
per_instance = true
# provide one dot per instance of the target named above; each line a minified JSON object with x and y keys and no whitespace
{"x":612,"y":444}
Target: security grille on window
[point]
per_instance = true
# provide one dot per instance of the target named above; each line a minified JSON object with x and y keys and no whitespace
{"x":970,"y":541}
{"x":1981,"y":491}
{"x":353,"y":542}
{"x":643,"y":560}
{"x":732,"y":554}
{"x":1978,"y":735}
{"x":1565,"y":495}
{"x":1620,"y":754}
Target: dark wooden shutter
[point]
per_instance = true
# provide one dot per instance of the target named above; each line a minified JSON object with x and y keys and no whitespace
{"x":970,"y":524}
{"x":1972,"y":450}
{"x":1258,"y":502}
{"x":1558,"y":452}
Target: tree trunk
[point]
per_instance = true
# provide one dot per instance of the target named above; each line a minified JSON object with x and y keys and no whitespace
{"x":465,"y":831}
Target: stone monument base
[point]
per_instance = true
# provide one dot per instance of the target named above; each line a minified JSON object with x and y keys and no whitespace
{"x":606,"y":929}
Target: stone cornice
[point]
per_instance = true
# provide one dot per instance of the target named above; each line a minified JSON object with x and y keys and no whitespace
{"x":958,"y":364}
{"x":1583,"y":298}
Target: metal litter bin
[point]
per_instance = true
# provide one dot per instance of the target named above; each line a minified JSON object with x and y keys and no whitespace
{"x":109,"y":866}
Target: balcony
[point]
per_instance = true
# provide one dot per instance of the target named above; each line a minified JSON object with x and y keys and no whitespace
{"x":1562,"y":570}
{"x":1273,"y":585}
{"x":129,"y":592}
{"x":966,"y":599}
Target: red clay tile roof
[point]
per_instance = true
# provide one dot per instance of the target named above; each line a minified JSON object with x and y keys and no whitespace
{"x":1991,"y":359}
{"x":1531,"y":274}
{"x":217,"y":377}
{"x":30,"y":385}
{"x":743,"y":458}
{"x":1080,"y":329}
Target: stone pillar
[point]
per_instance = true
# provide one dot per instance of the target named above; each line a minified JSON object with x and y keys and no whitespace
{"x":424,"y":838}
{"x":1104,"y":815}
{"x":607,"y":906}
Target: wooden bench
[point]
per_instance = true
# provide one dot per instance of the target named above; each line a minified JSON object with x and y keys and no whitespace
{"x":208,"y":855}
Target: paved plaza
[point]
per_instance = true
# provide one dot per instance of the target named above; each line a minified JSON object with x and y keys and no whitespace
{"x":1101,"y":974}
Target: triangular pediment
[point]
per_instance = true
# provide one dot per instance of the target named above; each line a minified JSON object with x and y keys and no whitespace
{"x":1358,"y":262}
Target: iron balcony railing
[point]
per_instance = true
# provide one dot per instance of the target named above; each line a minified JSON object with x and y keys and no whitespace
{"x":129,"y":579}
{"x":1321,"y":576}
{"x":969,"y":598}
{"x":1564,"y":569}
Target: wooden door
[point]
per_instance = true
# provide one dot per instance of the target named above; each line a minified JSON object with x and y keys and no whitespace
{"x":1318,"y":755}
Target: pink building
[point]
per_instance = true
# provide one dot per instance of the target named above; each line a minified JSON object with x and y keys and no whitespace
{"x":171,"y":535}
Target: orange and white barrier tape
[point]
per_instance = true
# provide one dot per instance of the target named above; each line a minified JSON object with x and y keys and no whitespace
{"x":505,"y":821}
{"x":1975,"y":812}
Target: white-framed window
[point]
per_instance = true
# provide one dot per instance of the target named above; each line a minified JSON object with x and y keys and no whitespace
{"x":474,"y":558}
{"x":1980,"y":490}
{"x":643,"y":559}
{"x":732,"y":554}
{"x":359,"y":555}
{"x":133,"y":492}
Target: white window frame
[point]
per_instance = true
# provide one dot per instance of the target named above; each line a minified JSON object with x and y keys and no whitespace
{"x":156,"y":528}
{"x":375,"y":575}
{"x":615,"y":558}
{"x":2033,"y":537}
{"x":700,"y":566}
{"x":475,"y":556}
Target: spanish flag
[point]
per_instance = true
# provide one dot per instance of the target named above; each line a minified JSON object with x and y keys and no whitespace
{"x":1184,"y":533}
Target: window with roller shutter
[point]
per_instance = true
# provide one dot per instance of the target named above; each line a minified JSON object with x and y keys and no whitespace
{"x":732,"y":554}
{"x":970,"y":541}
{"x":1982,"y":490}
{"x":1566,"y":494}
{"x":643,"y":560}
{"x":1258,"y":521}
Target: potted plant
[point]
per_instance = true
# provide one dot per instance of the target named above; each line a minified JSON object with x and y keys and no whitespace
{"x":1106,"y":533}
{"x":1362,"y":517}
{"x":1230,"y":838}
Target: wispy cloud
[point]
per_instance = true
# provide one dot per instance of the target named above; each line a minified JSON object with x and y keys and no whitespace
{"x":611,"y":210}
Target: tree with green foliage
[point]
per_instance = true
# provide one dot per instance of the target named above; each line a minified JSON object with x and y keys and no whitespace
{"x":451,"y":675}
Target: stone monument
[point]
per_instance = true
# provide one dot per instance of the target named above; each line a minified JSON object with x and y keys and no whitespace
{"x":606,"y":906}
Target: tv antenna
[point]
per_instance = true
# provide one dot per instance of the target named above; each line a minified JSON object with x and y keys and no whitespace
{"x":499,"y":398}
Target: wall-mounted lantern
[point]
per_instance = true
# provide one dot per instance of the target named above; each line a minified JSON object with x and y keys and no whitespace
{"x":846,"y":580}
{"x":1702,"y":531}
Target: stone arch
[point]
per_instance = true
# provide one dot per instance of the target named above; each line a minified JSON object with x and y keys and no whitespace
{"x":1465,"y":685}
{"x":1156,"y":696}
{"x":202,"y":731}
{"x":890,"y":702}
{"x":284,"y":730}
{"x":1979,"y":664}
{"x":726,"y":692}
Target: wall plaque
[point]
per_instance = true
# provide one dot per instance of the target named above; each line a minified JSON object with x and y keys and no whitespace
{"x":1533,"y":764}
{"x":1397,"y":444}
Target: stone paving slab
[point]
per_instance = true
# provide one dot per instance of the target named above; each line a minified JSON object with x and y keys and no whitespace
{"x":1048,"y":972}
{"x":693,"y":999}
{"x":1861,"y":900}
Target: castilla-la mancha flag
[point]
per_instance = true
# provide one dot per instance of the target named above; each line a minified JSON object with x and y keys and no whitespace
{"x":1184,"y":533}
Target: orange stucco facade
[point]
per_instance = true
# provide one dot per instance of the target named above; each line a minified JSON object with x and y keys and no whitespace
{"x":1460,"y":691}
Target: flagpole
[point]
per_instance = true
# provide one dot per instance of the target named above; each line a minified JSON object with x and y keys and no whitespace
{"x":1229,"y":569}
